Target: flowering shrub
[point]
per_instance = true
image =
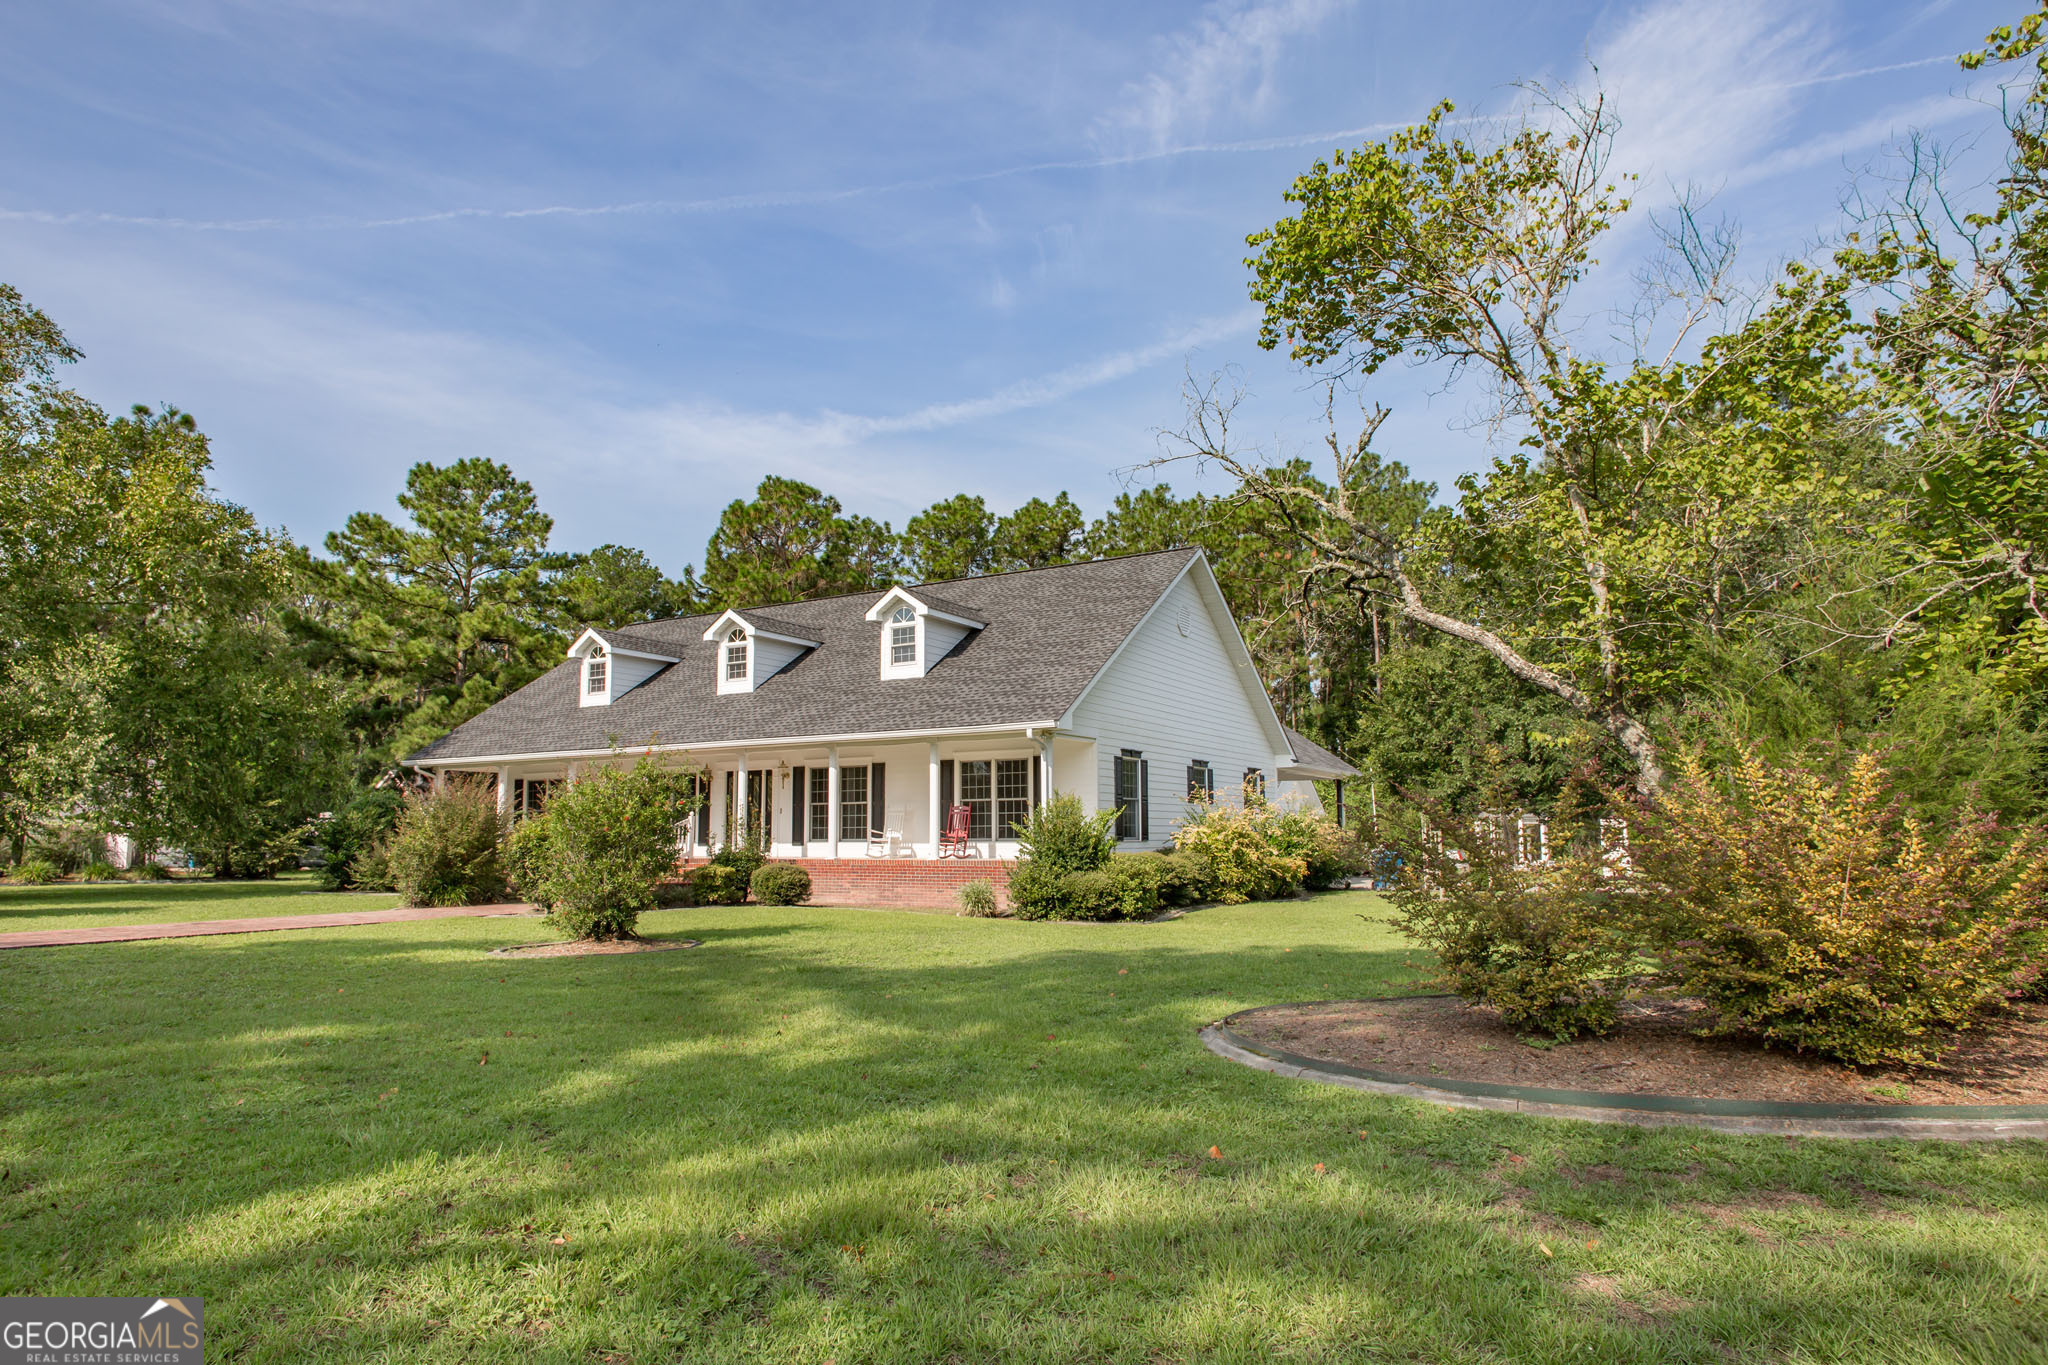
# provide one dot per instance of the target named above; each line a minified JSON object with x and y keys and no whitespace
{"x":1547,"y":944}
{"x":1820,"y":914}
{"x":604,"y":845}
{"x":1255,"y":852}
{"x":444,"y":848}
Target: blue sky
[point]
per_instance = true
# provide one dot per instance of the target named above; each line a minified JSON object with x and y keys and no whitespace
{"x":646,"y":254}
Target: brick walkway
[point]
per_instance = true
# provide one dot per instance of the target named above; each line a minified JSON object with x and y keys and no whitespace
{"x":122,"y":933}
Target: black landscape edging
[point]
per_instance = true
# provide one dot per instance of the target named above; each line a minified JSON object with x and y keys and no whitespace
{"x":1611,"y":1099}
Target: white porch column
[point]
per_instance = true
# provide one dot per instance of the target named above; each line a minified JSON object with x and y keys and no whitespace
{"x":832,"y":803}
{"x":938,"y":816}
{"x":740,"y":832}
{"x":439,"y":778}
{"x":1045,"y":767}
{"x":504,"y":795}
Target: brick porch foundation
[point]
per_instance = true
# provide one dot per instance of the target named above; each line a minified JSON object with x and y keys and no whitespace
{"x":903,"y":882}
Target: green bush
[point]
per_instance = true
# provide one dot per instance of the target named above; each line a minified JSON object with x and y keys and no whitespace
{"x":1185,"y":879}
{"x":99,"y":870}
{"x":36,"y":872}
{"x":677,"y":895}
{"x":1089,"y":896}
{"x":65,"y":847}
{"x":719,"y":884}
{"x":1250,"y":850}
{"x":347,"y":834}
{"x":1062,"y":837}
{"x":444,"y":850}
{"x":147,"y":871}
{"x":745,"y":859}
{"x":527,"y":851}
{"x":978,"y":899}
{"x":1546,"y":944}
{"x":780,"y":884}
{"x":1819,"y":914}
{"x":1124,"y":888}
{"x":611,"y":839}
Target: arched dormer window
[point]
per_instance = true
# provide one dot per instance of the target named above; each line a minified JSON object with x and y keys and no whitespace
{"x":736,"y":654}
{"x":903,"y":636}
{"x":595,"y":671}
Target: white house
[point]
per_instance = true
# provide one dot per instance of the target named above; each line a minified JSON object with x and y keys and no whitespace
{"x":850,"y":725}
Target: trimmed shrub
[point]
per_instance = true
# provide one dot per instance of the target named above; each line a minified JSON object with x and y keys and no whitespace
{"x":1062,"y":837}
{"x":1546,"y":944}
{"x":1036,"y":891}
{"x":527,"y":852}
{"x":719,"y":884}
{"x":978,"y":899}
{"x":1821,"y":915}
{"x":780,"y":884}
{"x":35,"y":872}
{"x":444,"y":848}
{"x":611,"y":839}
{"x":678,"y":895}
{"x":1089,"y":895}
{"x":347,"y":834}
{"x":1246,"y":850}
{"x":1185,"y":879}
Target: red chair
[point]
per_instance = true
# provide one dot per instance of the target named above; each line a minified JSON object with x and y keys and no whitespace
{"x":953,"y":843}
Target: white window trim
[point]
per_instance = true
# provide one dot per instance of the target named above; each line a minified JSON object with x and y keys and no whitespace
{"x":596,"y":696}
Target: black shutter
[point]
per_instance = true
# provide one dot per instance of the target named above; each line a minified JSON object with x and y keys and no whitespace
{"x":1144,"y":800}
{"x":878,"y":812}
{"x":799,"y":808}
{"x":945,"y":790}
{"x":1037,"y":780}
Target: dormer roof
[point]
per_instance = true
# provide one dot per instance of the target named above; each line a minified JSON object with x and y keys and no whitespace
{"x":926,"y":604}
{"x":620,"y":642}
{"x":754,"y":623}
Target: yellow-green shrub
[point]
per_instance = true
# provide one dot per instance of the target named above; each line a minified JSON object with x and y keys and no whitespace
{"x":1820,"y":914}
{"x":1247,"y":849}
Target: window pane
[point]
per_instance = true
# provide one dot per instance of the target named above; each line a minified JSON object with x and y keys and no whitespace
{"x":1127,"y":798}
{"x":735,"y":661}
{"x":975,"y":794}
{"x":821,"y":806}
{"x":853,"y":802}
{"x":1013,"y":795}
{"x":597,"y":671}
{"x":902,"y":644}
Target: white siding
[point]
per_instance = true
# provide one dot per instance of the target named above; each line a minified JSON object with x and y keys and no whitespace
{"x":1176,"y":697}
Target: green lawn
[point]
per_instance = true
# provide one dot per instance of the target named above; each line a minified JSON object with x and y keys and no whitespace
{"x":867,"y":1136}
{"x":73,"y":905}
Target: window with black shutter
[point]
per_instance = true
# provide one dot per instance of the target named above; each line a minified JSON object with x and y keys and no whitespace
{"x":1128,"y":815}
{"x":821,"y":806}
{"x":1013,"y":794}
{"x":1254,"y":785}
{"x":853,"y":803}
{"x":1201,"y":781}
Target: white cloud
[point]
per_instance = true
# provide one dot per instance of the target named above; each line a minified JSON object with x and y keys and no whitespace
{"x":1702,"y":86}
{"x":1224,"y":62}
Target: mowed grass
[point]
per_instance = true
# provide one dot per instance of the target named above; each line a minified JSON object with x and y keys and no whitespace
{"x":867,"y":1136}
{"x":91,"y":905}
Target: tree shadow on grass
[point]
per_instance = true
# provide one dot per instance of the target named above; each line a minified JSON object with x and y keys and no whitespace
{"x":887,"y":1147}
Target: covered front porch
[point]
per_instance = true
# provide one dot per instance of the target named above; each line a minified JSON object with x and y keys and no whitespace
{"x":868,"y":800}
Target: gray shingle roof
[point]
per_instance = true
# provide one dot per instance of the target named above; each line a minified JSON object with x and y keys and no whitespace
{"x":946,"y":605}
{"x":1049,"y":633}
{"x":1312,"y":759}
{"x":639,"y":644}
{"x":772,"y":625}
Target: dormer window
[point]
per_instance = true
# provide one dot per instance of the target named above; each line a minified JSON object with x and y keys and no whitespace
{"x":609,"y":664}
{"x":751,"y":650}
{"x":903,"y":637}
{"x":918,"y":632}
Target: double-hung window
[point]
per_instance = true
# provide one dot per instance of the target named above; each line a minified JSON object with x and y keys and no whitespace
{"x":593,"y":677}
{"x":821,"y":805}
{"x":1201,"y":781}
{"x":853,"y":803}
{"x":1013,"y":795}
{"x":1254,"y":785}
{"x":977,"y":793}
{"x":736,"y":655}
{"x":1131,"y":816}
{"x":903,"y":637}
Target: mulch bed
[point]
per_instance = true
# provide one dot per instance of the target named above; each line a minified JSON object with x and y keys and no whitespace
{"x":586,"y":948}
{"x":1655,"y":1051}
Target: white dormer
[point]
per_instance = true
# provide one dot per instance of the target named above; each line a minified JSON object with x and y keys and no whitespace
{"x":611,"y":665}
{"x":918,"y":631}
{"x":752,"y":649}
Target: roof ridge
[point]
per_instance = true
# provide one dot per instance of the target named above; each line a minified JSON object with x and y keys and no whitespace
{"x":933,"y":583}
